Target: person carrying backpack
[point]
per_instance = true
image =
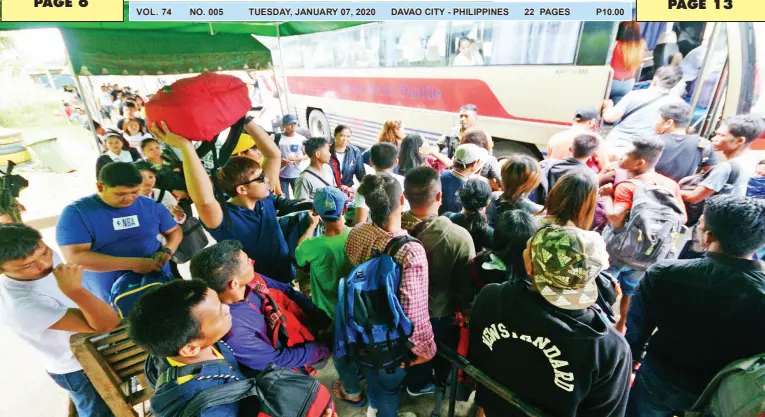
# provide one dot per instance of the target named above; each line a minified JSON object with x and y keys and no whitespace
{"x":195,"y":374}
{"x":382,"y":254}
{"x":691,"y":318}
{"x":645,"y":214}
{"x":272,"y":322}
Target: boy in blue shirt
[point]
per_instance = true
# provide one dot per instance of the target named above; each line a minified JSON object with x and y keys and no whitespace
{"x":115,"y":231}
{"x":468,"y":159}
{"x":249,"y":216}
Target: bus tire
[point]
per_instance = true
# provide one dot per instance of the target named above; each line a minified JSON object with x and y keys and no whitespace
{"x":504,"y":148}
{"x":318,"y":124}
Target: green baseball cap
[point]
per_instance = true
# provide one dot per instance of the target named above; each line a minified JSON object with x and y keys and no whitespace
{"x":566,"y":261}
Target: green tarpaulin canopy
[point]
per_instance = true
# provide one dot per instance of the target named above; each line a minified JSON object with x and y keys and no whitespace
{"x":149,"y":52}
{"x":152,"y":48}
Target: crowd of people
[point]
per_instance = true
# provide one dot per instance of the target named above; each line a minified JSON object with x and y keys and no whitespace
{"x":538,"y":272}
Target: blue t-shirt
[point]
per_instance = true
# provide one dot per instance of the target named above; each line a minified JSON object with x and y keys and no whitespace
{"x":129,"y":232}
{"x":261,"y":237}
{"x":451,"y":183}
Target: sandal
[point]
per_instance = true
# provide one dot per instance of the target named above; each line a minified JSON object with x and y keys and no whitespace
{"x":339,"y":392}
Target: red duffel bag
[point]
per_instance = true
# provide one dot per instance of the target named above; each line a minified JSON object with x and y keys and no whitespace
{"x":201,"y":107}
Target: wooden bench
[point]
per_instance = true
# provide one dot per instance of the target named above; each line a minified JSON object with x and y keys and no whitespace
{"x":114,"y":365}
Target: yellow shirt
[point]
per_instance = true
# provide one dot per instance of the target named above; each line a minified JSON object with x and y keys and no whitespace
{"x":188,"y":378}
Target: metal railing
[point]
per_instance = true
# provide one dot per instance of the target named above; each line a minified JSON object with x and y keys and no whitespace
{"x":460,"y":362}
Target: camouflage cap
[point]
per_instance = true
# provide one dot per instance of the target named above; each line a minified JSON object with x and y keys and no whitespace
{"x":566,"y":261}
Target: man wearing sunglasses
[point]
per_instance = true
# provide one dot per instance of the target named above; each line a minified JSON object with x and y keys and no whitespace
{"x":249,"y":215}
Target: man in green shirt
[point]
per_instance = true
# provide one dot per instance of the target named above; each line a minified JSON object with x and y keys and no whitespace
{"x":325,"y":254}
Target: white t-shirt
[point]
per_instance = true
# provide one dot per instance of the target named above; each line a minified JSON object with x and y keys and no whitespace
{"x":340,"y":157}
{"x":358,"y":199}
{"x":291,"y":146}
{"x":29,"y":308}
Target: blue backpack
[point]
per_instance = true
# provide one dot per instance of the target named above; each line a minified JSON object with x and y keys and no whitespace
{"x":370,"y":326}
{"x":130,"y":286}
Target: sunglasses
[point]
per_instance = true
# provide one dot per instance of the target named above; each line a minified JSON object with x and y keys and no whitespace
{"x":260,"y":178}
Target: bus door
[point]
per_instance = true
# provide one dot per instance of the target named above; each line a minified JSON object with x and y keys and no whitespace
{"x":725,"y":85}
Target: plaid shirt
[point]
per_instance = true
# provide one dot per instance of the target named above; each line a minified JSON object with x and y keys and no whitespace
{"x":414,"y":279}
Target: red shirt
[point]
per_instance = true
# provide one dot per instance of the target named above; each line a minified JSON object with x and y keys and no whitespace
{"x":621,"y":72}
{"x":625,"y":190}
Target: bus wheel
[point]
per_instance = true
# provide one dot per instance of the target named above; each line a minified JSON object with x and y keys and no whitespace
{"x":318,"y":124}
{"x":505,"y":148}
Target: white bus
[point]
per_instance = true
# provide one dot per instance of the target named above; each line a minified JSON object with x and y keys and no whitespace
{"x":526,"y":78}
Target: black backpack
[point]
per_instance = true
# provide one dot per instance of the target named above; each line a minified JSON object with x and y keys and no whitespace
{"x":278,"y":392}
{"x":651,"y":232}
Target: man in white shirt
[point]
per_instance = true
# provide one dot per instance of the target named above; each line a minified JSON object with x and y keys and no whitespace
{"x":383,"y":157}
{"x":43,"y":301}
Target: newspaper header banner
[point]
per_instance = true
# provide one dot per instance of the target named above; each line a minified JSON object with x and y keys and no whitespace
{"x":226,"y":11}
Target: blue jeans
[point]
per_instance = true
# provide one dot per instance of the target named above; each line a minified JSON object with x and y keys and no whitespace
{"x":383,"y":389}
{"x":285,"y":183}
{"x":348,"y":372}
{"x":620,"y":88}
{"x":652,"y":396}
{"x":83,"y":394}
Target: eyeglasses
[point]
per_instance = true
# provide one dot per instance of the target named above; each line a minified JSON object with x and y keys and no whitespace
{"x":260,"y":178}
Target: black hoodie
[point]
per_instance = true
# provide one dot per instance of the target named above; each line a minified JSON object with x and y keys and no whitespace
{"x":564,"y":362}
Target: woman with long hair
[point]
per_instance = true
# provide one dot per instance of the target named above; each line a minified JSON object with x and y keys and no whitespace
{"x":475,"y":195}
{"x":384,"y":196}
{"x":392,"y":132}
{"x":135,"y":132}
{"x":521,"y":175}
{"x":346,"y":160}
{"x":572,"y":202}
{"x":416,"y":152}
{"x":627,"y":58}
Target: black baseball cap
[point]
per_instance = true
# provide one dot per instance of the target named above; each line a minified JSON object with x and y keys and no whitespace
{"x":585,"y":114}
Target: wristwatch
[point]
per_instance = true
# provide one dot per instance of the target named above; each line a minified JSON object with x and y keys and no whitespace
{"x":165,"y":250}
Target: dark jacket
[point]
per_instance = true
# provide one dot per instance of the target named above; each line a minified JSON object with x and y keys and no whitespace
{"x":706,"y":312}
{"x":553,"y":170}
{"x":104,"y":160}
{"x":249,"y":339}
{"x":564,"y":362}
{"x":171,"y":397}
{"x":499,"y":206}
{"x":353,"y":165}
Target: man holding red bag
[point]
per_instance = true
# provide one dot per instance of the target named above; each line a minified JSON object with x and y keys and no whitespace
{"x":249,"y":215}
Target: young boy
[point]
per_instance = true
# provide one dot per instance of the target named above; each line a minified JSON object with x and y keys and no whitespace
{"x":468,"y":159}
{"x":43,"y":302}
{"x":318,"y":174}
{"x":325,"y":254}
{"x":638,"y":162}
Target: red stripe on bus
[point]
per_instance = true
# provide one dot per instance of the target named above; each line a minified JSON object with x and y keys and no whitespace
{"x":420,"y":93}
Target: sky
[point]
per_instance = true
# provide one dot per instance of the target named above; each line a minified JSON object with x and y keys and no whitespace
{"x":39,"y":46}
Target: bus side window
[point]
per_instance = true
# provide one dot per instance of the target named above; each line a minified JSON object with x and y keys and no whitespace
{"x":414,"y":46}
{"x":534,"y":43}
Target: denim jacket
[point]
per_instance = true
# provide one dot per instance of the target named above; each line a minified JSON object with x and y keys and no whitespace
{"x":353,"y":164}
